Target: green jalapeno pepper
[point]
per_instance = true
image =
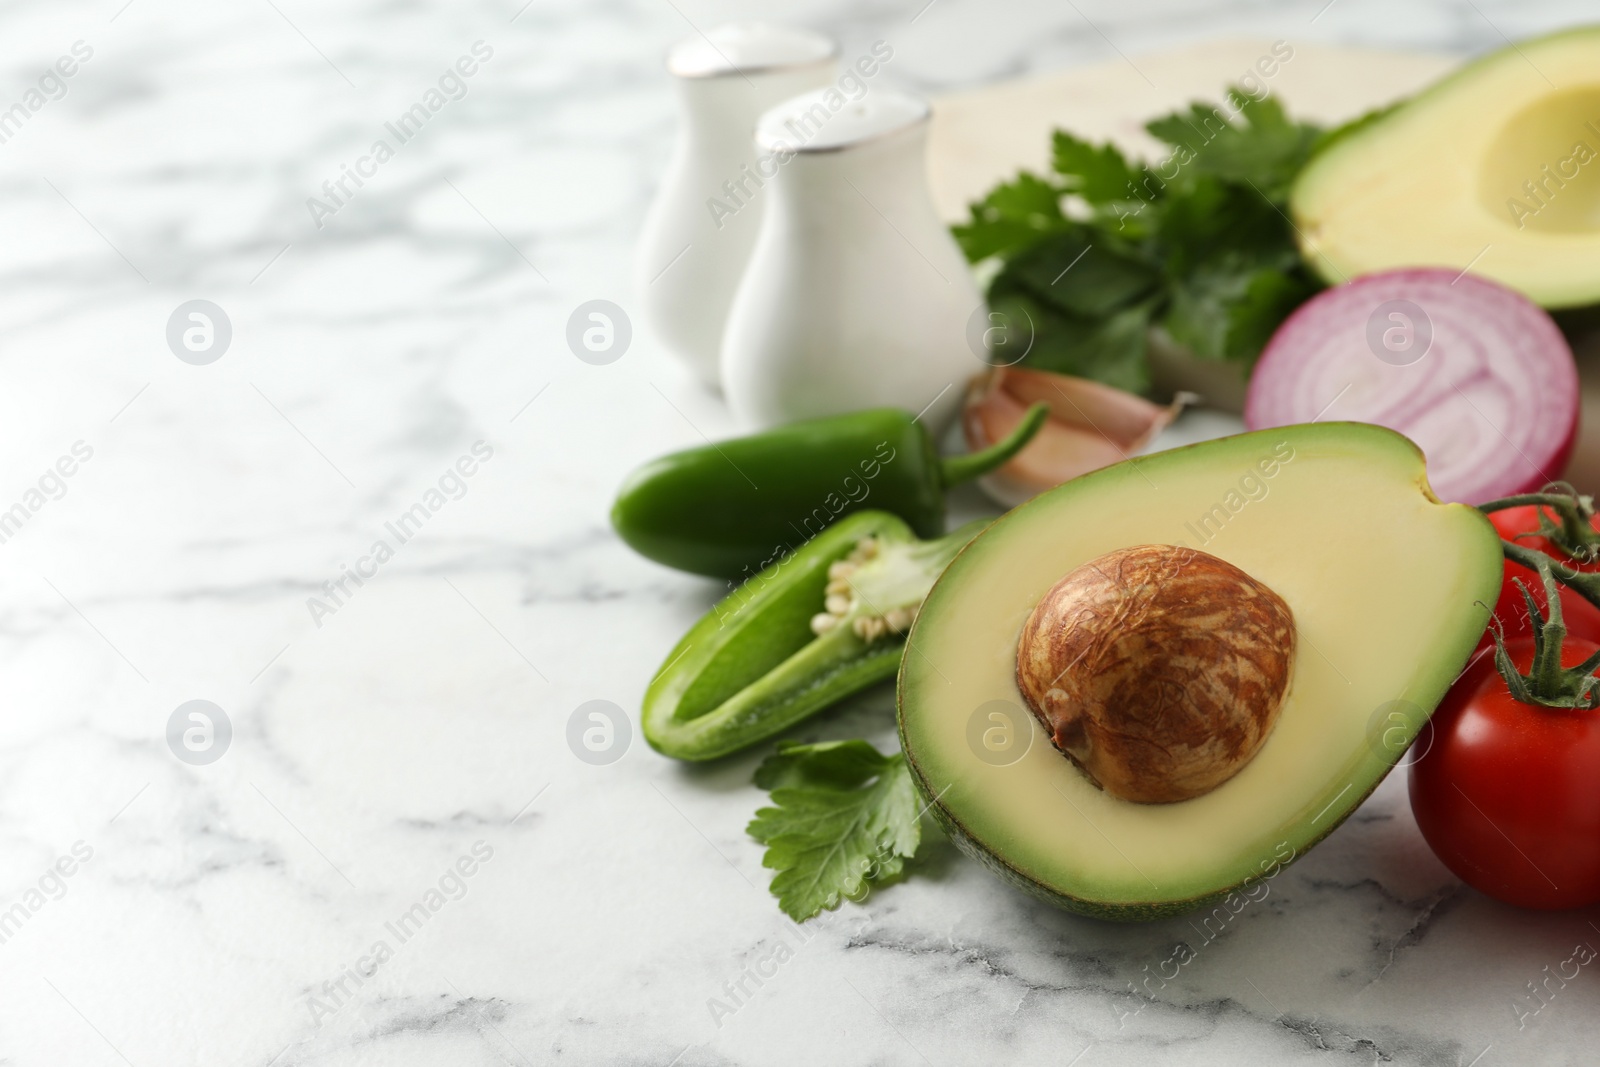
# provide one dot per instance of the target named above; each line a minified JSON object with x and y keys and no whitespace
{"x":729,"y":509}
{"x":819,"y":624}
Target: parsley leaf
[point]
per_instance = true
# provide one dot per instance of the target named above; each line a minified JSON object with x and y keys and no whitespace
{"x":1080,"y":276}
{"x":1109,"y":350}
{"x":845,"y":818}
{"x":1198,"y":243}
{"x":1232,"y":307}
{"x":1099,"y":175}
{"x":1266,"y":150}
{"x":1014,"y":215}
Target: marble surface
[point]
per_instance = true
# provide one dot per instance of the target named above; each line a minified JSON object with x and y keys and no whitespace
{"x":413,"y":728}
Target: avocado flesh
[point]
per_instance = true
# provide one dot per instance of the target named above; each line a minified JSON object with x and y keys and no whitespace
{"x":1387,"y":587}
{"x":1440,"y":180}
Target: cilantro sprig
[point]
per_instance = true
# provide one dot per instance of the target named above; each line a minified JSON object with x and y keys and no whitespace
{"x":1197,"y":243}
{"x":844,"y":818}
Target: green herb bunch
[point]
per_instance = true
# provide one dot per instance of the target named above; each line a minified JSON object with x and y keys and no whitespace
{"x":1197,"y":243}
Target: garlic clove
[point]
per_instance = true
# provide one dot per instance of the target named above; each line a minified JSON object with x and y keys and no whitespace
{"x":1090,"y":426}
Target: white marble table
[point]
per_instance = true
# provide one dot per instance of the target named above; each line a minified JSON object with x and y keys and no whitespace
{"x":402,"y":741}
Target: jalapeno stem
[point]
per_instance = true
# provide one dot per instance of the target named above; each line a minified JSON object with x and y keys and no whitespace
{"x":953,"y":470}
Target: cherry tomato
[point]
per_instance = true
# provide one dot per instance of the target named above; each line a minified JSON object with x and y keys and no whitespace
{"x":1508,"y":794}
{"x":1582,"y":618}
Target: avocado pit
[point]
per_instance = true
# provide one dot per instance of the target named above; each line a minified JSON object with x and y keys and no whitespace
{"x":1158,"y":670}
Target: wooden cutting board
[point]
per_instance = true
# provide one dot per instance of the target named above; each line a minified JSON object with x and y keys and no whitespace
{"x":984,"y":136}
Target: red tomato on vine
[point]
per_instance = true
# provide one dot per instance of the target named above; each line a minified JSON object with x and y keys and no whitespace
{"x":1508,"y":794}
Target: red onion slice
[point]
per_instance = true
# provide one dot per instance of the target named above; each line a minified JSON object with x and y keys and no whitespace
{"x":1476,"y":374}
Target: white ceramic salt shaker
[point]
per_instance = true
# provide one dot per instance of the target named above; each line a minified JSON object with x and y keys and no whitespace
{"x":707,"y":212}
{"x":856,"y":295}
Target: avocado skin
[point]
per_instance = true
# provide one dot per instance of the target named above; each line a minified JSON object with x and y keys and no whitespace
{"x":1094,"y":909}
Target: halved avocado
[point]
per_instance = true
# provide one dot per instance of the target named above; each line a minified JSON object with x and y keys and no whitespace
{"x":1496,"y":166}
{"x":1388,"y":589}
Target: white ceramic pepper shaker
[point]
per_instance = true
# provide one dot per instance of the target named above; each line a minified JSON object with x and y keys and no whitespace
{"x":856,"y":295}
{"x":698,"y":235}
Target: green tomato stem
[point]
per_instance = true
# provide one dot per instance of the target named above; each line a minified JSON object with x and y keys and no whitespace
{"x":1576,"y":535}
{"x":1547,"y":684}
{"x":1551,"y":500}
{"x":1548,"y":638}
{"x":1584,"y":583}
